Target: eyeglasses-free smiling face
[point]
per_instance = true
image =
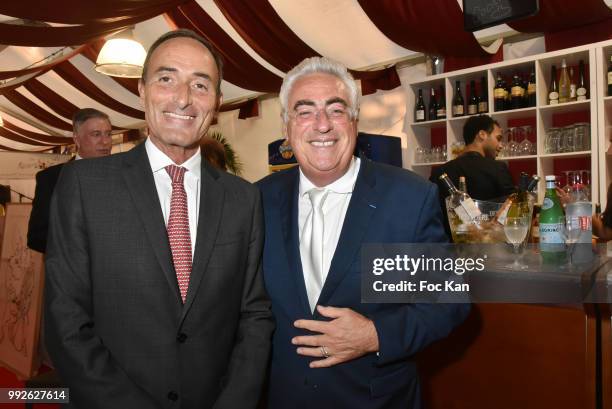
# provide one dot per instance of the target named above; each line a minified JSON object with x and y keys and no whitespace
{"x":320,"y":128}
{"x":179,"y":96}
{"x":93,"y":138}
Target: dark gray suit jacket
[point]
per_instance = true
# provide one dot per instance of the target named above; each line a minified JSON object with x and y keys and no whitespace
{"x":117,"y":330}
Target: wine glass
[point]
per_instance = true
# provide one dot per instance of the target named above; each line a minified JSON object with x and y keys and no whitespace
{"x":513,"y":145}
{"x":516,"y":229}
{"x":571,"y":234}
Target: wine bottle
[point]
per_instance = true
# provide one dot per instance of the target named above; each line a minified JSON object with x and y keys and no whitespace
{"x":462,"y":184}
{"x":553,"y":90}
{"x":573,"y":87}
{"x":460,"y":202}
{"x":498,"y":94}
{"x":531,"y":89}
{"x":472,"y":108}
{"x":433,"y":106}
{"x":441,"y":113}
{"x":552,"y":225}
{"x":483,"y":102}
{"x":564,"y":83}
{"x":458,"y":101}
{"x":419,"y":109}
{"x":581,"y":91}
{"x":516,"y":92}
{"x":533,"y":184}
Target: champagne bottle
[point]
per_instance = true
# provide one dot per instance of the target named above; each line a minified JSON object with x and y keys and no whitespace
{"x":458,"y":101}
{"x":498,"y":93}
{"x":441,"y":113}
{"x":516,"y":92}
{"x":462,"y":184}
{"x":472,"y":108}
{"x":531,"y":89}
{"x":564,"y":84}
{"x":419,"y":109}
{"x":581,"y":91}
{"x":483,"y":102}
{"x":553,"y":90}
{"x":532,"y":186}
{"x":552,"y":225}
{"x":433,"y":106}
{"x":573,"y":87}
{"x":460,"y":202}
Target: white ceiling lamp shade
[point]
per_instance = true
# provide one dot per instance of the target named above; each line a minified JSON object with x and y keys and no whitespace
{"x":121,"y":56}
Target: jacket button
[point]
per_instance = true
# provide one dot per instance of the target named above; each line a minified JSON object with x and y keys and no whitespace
{"x":173,"y":396}
{"x":182,"y":337}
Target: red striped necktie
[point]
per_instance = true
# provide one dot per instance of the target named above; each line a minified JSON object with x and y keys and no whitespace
{"x":178,"y":229}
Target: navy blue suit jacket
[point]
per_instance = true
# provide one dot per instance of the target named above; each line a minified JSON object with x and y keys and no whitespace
{"x":388,"y":205}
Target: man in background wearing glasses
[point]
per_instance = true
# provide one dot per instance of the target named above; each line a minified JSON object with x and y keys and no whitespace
{"x":329,"y":349}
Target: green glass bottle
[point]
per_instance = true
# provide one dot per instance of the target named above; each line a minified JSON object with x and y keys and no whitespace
{"x":552,"y":226}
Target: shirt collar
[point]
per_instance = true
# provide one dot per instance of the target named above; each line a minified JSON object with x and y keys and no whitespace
{"x":343,"y":185}
{"x":160,"y":160}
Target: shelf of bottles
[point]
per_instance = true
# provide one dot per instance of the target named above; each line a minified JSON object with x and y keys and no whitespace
{"x":554,"y":109}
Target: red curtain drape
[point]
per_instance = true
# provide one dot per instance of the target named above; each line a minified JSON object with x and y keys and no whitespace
{"x":239,"y":67}
{"x":36,"y":36}
{"x":265,"y":32}
{"x":37,"y":112}
{"x":79,"y":12}
{"x":5,"y":133}
{"x":432,"y":26}
{"x":51,"y":139}
{"x":556,"y":15}
{"x":78,"y":80}
{"x":41,"y":68}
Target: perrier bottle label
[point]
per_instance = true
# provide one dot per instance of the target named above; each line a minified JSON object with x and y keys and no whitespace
{"x":552,"y":226}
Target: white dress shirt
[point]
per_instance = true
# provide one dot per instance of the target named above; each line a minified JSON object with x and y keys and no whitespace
{"x":163,"y":183}
{"x":334,"y":211}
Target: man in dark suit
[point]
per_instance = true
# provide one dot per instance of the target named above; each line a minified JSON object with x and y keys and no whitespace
{"x":154,"y":292}
{"x":92,"y":137}
{"x":330,"y":350}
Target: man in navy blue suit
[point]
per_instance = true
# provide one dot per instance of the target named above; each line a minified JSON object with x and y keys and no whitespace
{"x":329,"y":349}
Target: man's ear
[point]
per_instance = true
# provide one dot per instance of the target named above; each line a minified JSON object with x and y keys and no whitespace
{"x":141,"y":92}
{"x":481,"y":135}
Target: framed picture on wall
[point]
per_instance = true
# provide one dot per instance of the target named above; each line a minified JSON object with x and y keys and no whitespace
{"x":21,"y":293}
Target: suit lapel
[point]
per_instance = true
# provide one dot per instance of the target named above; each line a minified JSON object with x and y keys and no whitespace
{"x":361,"y":208}
{"x":141,"y":186}
{"x":212,"y":196}
{"x":288,"y":203}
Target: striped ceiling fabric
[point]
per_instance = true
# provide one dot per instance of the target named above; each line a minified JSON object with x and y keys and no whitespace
{"x":260,"y":40}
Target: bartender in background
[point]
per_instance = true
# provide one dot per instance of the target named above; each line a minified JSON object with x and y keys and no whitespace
{"x":486,"y":178}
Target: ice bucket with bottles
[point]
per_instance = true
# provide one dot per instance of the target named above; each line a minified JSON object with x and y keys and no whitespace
{"x":485,"y":228}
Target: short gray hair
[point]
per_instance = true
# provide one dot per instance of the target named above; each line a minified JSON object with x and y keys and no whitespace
{"x":85,"y":114}
{"x":314,"y":65}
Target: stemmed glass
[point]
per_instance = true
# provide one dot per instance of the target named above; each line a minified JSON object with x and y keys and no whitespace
{"x":512,"y":144}
{"x":516,"y":229}
{"x":525,"y":145}
{"x":571,"y":234}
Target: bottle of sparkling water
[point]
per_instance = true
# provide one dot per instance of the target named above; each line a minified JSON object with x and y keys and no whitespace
{"x":552,"y":226}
